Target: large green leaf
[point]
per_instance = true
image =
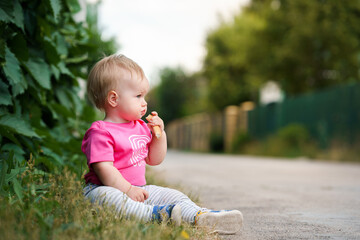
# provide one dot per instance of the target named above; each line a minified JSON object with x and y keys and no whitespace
{"x":17,"y":125}
{"x":12,"y":68}
{"x":11,"y":11}
{"x":6,"y":10}
{"x":56,"y":8}
{"x":40,"y":71}
{"x":61,"y":45}
{"x":5,"y":97}
{"x":73,"y":5}
{"x":60,"y":110}
{"x":76,"y":102}
{"x":18,"y":189}
{"x":18,"y":151}
{"x":14,"y":173}
{"x":36,"y":93}
{"x":47,"y":151}
{"x":19,"y":88}
{"x":61,"y":94}
{"x":64,"y":70}
{"x":55,"y":72}
{"x":18,"y":15}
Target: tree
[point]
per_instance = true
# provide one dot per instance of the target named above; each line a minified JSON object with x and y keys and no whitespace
{"x":227,"y":67}
{"x":178,"y":94}
{"x":312,"y":44}
{"x":302,"y":45}
{"x":170,"y":93}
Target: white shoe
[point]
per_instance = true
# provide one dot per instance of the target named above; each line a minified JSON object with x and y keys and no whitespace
{"x":221,"y":222}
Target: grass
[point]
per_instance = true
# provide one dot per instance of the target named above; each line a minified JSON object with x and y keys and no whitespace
{"x":341,"y":152}
{"x":61,"y":212}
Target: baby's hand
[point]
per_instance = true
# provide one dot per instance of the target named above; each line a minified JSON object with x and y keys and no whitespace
{"x":137,"y":194}
{"x":155,"y":122}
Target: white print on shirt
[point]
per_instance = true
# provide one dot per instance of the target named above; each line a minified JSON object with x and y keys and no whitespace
{"x":140,"y":150}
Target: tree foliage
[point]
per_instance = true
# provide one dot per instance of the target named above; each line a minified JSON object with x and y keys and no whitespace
{"x":314,"y":44}
{"x":303,"y":45}
{"x":170,"y":95}
{"x":44,"y":52}
{"x":228,"y":64}
{"x":178,"y":94}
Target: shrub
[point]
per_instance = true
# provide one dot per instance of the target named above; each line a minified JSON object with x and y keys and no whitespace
{"x":295,"y":135}
{"x":241,"y":139}
{"x":43,"y":54}
{"x":290,"y":141}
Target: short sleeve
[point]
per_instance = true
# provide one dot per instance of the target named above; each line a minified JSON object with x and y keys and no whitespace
{"x":98,"y":146}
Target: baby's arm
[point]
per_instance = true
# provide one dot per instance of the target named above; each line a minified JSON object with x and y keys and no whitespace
{"x":110,"y":176}
{"x":158,"y":146}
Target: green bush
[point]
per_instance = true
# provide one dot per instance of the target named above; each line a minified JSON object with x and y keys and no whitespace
{"x":241,"y":139}
{"x":295,"y":135}
{"x":44,"y":53}
{"x":290,"y":141}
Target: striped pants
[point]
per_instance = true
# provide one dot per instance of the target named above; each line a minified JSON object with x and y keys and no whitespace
{"x":142,"y":210}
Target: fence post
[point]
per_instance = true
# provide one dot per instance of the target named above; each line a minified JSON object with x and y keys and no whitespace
{"x":204,"y":127}
{"x":245,"y":107}
{"x":231,"y":116}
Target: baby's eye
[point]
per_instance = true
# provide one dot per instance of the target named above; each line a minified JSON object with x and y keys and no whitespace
{"x":139,"y":96}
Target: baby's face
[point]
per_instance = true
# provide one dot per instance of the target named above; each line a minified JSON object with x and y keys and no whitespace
{"x":132,"y":92}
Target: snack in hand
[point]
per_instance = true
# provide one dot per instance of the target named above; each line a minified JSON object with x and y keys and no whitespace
{"x":157,"y":129}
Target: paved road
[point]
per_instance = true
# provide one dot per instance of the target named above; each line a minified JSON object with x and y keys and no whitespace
{"x":280,"y":199}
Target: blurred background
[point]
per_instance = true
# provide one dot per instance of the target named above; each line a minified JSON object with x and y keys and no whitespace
{"x":276,"y":78}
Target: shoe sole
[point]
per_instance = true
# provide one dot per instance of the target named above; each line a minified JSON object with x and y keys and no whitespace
{"x":176,"y":215}
{"x":225,"y":223}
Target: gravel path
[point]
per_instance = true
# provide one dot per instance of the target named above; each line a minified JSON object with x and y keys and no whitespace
{"x":280,"y":199}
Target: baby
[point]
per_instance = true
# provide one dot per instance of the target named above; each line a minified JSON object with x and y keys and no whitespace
{"x":119,"y":147}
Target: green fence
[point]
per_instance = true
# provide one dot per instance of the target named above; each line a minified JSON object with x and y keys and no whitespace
{"x":330,"y":114}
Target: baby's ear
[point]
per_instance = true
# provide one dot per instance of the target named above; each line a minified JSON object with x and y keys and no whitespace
{"x":112,"y":98}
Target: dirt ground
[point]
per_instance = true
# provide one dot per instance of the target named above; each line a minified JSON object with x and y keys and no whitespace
{"x":279,"y":198}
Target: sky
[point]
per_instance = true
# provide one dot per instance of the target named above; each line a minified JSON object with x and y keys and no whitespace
{"x":164,"y":33}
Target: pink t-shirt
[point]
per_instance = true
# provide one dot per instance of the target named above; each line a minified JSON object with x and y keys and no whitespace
{"x":124,"y":144}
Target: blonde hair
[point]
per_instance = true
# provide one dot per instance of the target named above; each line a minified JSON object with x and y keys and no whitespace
{"x":104,"y":77}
